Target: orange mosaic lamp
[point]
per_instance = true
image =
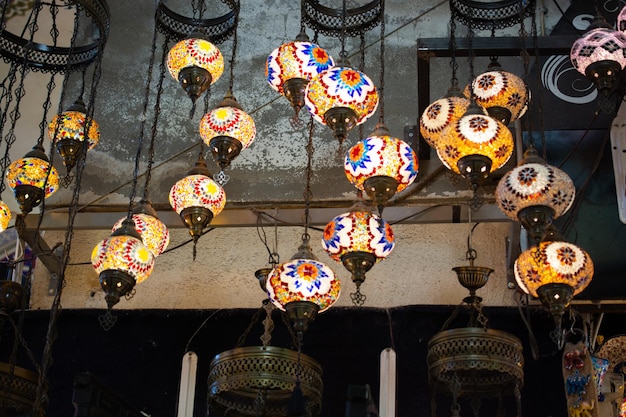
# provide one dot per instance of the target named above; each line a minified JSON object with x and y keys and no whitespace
{"x":154,"y":234}
{"x":5,"y":216}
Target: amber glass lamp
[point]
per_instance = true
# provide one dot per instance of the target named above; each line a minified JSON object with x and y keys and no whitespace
{"x":440,"y":116}
{"x":153,"y":232}
{"x":5,"y":216}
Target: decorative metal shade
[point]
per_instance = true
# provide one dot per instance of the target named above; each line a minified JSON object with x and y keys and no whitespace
{"x":535,"y":193}
{"x":196,"y":64}
{"x":121,"y":260}
{"x":503,"y":94}
{"x":227,"y":130}
{"x":290,"y":67}
{"x":600,"y":54}
{"x":553,"y":262}
{"x":342,"y":98}
{"x":18,"y":391}
{"x":32,"y":179}
{"x":197,"y":198}
{"x":477,"y":145}
{"x":5,"y":216}
{"x":440,"y":116}
{"x":67,"y":132}
{"x":154,"y":233}
{"x":381,"y":165}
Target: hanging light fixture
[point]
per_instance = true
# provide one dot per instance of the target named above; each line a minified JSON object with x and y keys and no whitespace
{"x":153,"y":232}
{"x":358,"y":239}
{"x":554,"y":271}
{"x":67,"y":131}
{"x":196,"y":64}
{"x":291,"y":66}
{"x":197,"y":198}
{"x":535,"y":193}
{"x":5,"y":216}
{"x":121,"y":261}
{"x":32,"y":178}
{"x":503,"y":94}
{"x":600,"y":54}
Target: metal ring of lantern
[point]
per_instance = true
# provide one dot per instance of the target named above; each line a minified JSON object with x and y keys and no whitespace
{"x":217,"y":30}
{"x":491,"y":15}
{"x":330,"y":22}
{"x":55,"y":59}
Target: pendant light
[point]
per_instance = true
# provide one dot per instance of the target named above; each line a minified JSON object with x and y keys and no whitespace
{"x":341,"y":97}
{"x":303,"y":286}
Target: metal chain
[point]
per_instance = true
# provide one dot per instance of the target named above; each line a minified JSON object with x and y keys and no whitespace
{"x":253,"y":321}
{"x":454,"y":66}
{"x":231,"y":74}
{"x":381,"y":89}
{"x":268,"y":323}
{"x":309,"y":173}
{"x":525,"y":56}
{"x":538,"y":94}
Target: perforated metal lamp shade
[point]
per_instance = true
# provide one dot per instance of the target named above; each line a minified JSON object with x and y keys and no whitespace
{"x":377,"y":158}
{"x":535,"y":193}
{"x":600,"y":54}
{"x":291,"y":66}
{"x":342,"y":98}
{"x":196,"y":64}
{"x":227,"y":130}
{"x":32,"y":179}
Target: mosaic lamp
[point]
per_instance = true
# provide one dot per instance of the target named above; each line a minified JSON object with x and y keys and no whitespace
{"x":227,"y":130}
{"x":535,"y":193}
{"x":554,"y":271}
{"x":196,"y":64}
{"x":291,"y":66}
{"x":503,"y":94}
{"x":477,"y":145}
{"x":440,"y":116}
{"x":121,"y":261}
{"x":341,"y":98}
{"x":154,"y":233}
{"x":302,"y":287}
{"x":600,"y":54}
{"x":358,"y":239}
{"x":32,"y":178}
{"x":381,"y":165}
{"x":197,"y":199}
{"x":67,"y":132}
{"x":5,"y":216}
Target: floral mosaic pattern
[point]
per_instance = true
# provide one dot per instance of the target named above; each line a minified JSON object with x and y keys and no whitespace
{"x":228,"y":121}
{"x":501,"y":89}
{"x":358,"y":231}
{"x":440,"y":116}
{"x":71,"y":125}
{"x":553,"y":262}
{"x":33,"y":171}
{"x":295,"y":60}
{"x":197,"y":191}
{"x":154,"y":233}
{"x":535,"y":184}
{"x":341,"y":87}
{"x":123,"y":253}
{"x":195,"y":52}
{"x":303,"y":280}
{"x":596,"y":45}
{"x":381,"y":156}
{"x":5,"y":216}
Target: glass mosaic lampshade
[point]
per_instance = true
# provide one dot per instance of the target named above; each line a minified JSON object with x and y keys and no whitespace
{"x":341,"y":98}
{"x":227,"y":130}
{"x":381,"y":165}
{"x":535,"y":193}
{"x":197,"y":198}
{"x":600,"y":54}
{"x":154,"y":233}
{"x":5,"y":216}
{"x":440,"y":116}
{"x":196,"y":64}
{"x":303,"y":287}
{"x":358,"y":239}
{"x":121,"y":260}
{"x":67,"y":132}
{"x":503,"y":94}
{"x":32,"y":179}
{"x":291,"y":66}
{"x":476,"y":146}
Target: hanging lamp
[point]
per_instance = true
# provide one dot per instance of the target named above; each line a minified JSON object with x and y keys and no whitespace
{"x":32,"y":178}
{"x":600,"y":54}
{"x":555,"y":271}
{"x":197,"y":198}
{"x":291,"y":66}
{"x":358,"y":239}
{"x":68,"y":131}
{"x":196,"y":64}
{"x":535,"y":193}
{"x":503,"y":94}
{"x":5,"y":216}
{"x":154,"y":233}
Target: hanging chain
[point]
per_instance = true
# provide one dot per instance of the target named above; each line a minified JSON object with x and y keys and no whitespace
{"x":309,"y":173}
{"x":381,"y":94}
{"x":534,"y":35}
{"x":268,"y":323}
{"x":234,"y":51}
{"x":253,"y":321}
{"x":525,"y":56}
{"x":454,"y":66}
